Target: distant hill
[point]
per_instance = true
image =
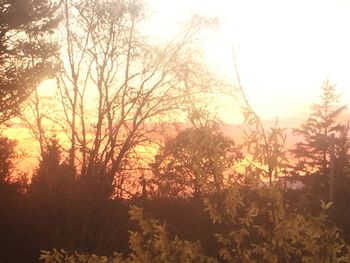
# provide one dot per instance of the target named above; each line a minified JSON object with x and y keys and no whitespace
{"x":19,"y":132}
{"x":236,"y":131}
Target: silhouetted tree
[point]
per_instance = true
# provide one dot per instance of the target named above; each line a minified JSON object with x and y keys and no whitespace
{"x":25,"y":52}
{"x":313,"y":152}
{"x":7,"y":158}
{"x":11,"y":196}
{"x":50,"y":169}
{"x":198,"y":160}
{"x":116,"y":86}
{"x":51,"y":199}
{"x":69,"y":211}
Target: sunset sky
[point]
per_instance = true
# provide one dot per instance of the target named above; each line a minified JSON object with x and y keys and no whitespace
{"x":284,"y":49}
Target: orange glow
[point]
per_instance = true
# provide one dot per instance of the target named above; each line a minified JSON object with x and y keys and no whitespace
{"x":284,"y":51}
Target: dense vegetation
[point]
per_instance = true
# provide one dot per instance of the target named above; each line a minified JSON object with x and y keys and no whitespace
{"x":115,"y":183}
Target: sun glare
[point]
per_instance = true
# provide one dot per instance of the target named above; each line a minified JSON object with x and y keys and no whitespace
{"x":175,"y":131}
{"x":282,"y":48}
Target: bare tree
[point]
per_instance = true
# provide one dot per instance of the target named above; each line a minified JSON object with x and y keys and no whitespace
{"x":115,"y":86}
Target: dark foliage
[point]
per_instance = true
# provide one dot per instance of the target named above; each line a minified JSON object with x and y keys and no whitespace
{"x":313,"y":152}
{"x":194,"y":162}
{"x":25,"y":51}
{"x":61,"y":209}
{"x":7,"y":158}
{"x":324,"y":138}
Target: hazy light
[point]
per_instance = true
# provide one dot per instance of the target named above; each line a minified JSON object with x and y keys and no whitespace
{"x":284,"y":49}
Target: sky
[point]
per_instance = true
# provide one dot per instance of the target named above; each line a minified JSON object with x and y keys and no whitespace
{"x":284,"y":49}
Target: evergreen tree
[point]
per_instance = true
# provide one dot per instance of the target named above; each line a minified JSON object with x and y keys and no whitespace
{"x":313,"y":151}
{"x":50,"y":198}
{"x":25,"y":50}
{"x":53,"y":176}
{"x":324,"y":140}
{"x":7,"y":157}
